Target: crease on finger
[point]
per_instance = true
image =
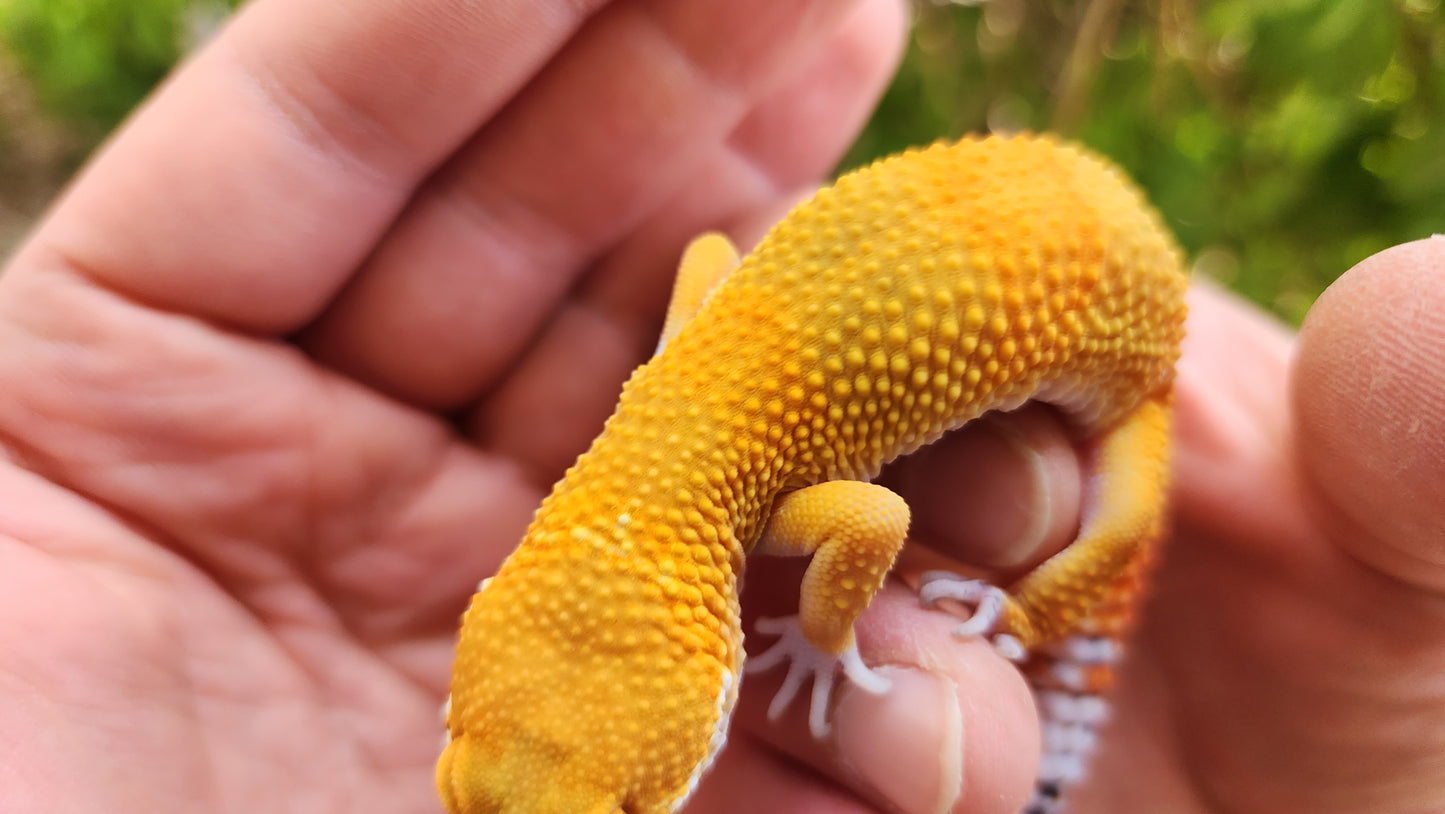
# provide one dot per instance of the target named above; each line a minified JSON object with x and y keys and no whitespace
{"x":542,"y":200}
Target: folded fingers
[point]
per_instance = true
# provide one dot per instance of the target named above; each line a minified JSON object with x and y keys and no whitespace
{"x":611,"y":130}
{"x":250,"y":186}
{"x":551,"y":400}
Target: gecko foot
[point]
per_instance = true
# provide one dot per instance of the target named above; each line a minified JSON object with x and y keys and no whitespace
{"x":804,"y":660}
{"x":988,"y":603}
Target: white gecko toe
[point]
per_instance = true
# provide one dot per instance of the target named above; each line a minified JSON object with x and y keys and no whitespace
{"x":805,"y":660}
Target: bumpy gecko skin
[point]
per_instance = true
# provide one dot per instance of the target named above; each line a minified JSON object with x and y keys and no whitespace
{"x":596,"y":671}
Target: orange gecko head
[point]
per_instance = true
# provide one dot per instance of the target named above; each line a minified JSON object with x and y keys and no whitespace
{"x":516,"y":775}
{"x":564,"y":705}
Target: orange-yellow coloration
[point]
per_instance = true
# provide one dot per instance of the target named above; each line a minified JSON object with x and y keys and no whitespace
{"x":597,"y":668}
{"x":853,"y":530}
{"x":707,"y":260}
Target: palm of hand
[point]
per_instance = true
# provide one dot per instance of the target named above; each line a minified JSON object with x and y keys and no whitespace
{"x":233,"y":568}
{"x":233,"y":590}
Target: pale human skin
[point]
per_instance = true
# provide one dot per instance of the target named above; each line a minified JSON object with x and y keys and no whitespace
{"x":288,"y":368}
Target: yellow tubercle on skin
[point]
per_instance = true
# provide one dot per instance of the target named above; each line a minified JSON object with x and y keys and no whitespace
{"x":853,"y":531}
{"x":597,"y":670}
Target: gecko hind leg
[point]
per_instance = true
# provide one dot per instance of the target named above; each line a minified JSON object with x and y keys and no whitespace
{"x":1087,"y":585}
{"x":990,"y":605}
{"x":1068,"y":615}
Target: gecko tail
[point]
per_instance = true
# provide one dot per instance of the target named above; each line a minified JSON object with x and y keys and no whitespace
{"x":1069,"y":681}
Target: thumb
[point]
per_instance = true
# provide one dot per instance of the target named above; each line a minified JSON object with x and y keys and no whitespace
{"x":1369,"y":405}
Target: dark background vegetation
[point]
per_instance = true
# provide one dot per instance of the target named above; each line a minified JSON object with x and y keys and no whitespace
{"x":1283,"y":140}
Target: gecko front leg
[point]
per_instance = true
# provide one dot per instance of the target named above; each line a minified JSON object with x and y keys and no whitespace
{"x":854,"y":531}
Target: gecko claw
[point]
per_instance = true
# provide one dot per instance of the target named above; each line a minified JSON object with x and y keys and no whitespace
{"x":988,"y":603}
{"x":805,"y":660}
{"x":987,"y":600}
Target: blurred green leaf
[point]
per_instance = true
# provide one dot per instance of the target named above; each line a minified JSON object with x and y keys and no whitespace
{"x":1283,"y":141}
{"x":91,"y":62}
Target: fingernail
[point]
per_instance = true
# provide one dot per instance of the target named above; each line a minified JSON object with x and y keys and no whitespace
{"x":906,"y":744}
{"x":1035,"y":506}
{"x":998,"y":493}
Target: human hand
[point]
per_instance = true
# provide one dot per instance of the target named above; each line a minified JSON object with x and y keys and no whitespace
{"x":1291,"y":655}
{"x":239,"y":523}
{"x":234,"y":562}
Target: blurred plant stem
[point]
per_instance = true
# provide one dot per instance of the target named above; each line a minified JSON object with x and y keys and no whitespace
{"x":37,"y":154}
{"x":1282,"y":141}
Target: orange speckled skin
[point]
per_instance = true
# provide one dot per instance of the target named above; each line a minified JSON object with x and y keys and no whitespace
{"x":595,"y":671}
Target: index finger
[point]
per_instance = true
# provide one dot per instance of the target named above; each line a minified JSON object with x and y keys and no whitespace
{"x":254,"y":182}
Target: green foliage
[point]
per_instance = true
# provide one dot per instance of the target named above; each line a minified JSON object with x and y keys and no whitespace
{"x":1283,"y":141}
{"x":91,"y":61}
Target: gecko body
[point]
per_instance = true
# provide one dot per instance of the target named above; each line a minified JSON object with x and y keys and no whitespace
{"x":597,"y":670}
